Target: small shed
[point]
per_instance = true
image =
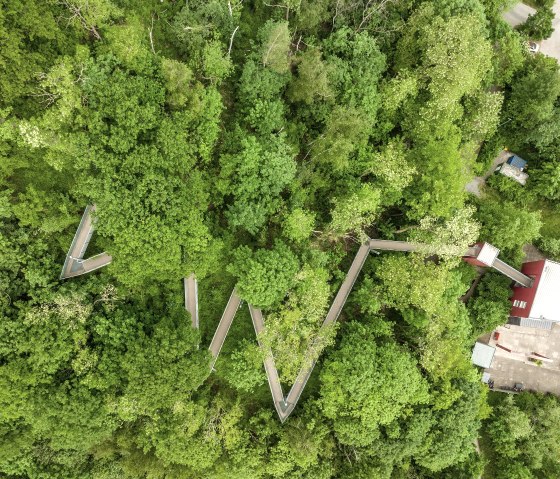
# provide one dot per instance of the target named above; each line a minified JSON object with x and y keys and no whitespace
{"x":517,"y":162}
{"x":483,"y":355}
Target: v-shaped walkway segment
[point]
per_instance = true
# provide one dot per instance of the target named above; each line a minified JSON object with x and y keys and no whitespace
{"x":270,"y":367}
{"x":75,"y":265}
{"x":333,"y":314}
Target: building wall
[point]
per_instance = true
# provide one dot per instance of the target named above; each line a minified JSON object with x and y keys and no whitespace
{"x":472,"y":260}
{"x":533,"y":269}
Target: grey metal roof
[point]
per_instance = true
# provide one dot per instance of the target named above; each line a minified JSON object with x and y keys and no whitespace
{"x":482,"y":355}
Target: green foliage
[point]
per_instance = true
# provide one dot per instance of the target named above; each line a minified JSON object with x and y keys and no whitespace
{"x":275,"y":38}
{"x":312,"y":80}
{"x":298,"y":225}
{"x":264,"y":276}
{"x":546,"y":180}
{"x":243,"y":370}
{"x":382,"y":381}
{"x":450,"y":238}
{"x":255,"y":144}
{"x":345,"y":129}
{"x":354,"y":212}
{"x":357,"y":64}
{"x":530,"y":107}
{"x":539,"y":25}
{"x":521,"y":434}
{"x":255,"y":177}
{"x":293,"y":334}
{"x":490,"y":308}
{"x":178,"y":77}
{"x":508,"y":226}
{"x":31,"y":39}
{"x":451,"y":440}
{"x":508,"y":56}
{"x":411,"y":281}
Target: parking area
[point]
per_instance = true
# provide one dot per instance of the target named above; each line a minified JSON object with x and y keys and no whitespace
{"x":518,"y":14}
{"x":516,"y":359}
{"x":551,"y":46}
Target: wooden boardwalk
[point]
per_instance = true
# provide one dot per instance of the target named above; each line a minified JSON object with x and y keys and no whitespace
{"x":270,"y":367}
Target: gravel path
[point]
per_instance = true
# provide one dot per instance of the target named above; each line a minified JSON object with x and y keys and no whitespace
{"x":476,"y":185}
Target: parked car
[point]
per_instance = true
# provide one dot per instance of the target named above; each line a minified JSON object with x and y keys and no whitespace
{"x":533,"y":47}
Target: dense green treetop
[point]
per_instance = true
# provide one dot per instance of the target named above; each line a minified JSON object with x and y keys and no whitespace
{"x":256,"y":145}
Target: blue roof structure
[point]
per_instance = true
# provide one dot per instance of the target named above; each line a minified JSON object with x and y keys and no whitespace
{"x":517,"y":162}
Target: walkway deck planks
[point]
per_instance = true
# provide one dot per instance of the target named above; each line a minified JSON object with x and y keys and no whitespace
{"x":270,"y":367}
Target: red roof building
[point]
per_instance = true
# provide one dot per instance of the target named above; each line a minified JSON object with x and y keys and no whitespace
{"x":540,"y":302}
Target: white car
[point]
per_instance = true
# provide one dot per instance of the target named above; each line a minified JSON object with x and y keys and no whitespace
{"x":533,"y":47}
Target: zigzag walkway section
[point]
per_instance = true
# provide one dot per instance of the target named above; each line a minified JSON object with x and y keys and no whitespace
{"x":75,"y":265}
{"x":334,"y":311}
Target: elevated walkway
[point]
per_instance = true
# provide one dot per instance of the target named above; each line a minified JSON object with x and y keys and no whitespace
{"x":191,"y":298}
{"x":512,"y":273}
{"x":75,"y":265}
{"x":223,"y":327}
{"x":270,"y":367}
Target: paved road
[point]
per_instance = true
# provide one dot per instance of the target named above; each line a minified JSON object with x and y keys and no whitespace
{"x":74,"y":265}
{"x":551,"y":46}
{"x":191,"y":298}
{"x":223,"y":327}
{"x":270,"y":367}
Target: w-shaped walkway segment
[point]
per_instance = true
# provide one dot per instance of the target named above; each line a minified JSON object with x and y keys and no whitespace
{"x":284,"y":405}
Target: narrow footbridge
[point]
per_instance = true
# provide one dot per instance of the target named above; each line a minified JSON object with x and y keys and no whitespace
{"x":75,"y":265}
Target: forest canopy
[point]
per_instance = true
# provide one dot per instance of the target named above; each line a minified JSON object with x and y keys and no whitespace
{"x":256,"y":146}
